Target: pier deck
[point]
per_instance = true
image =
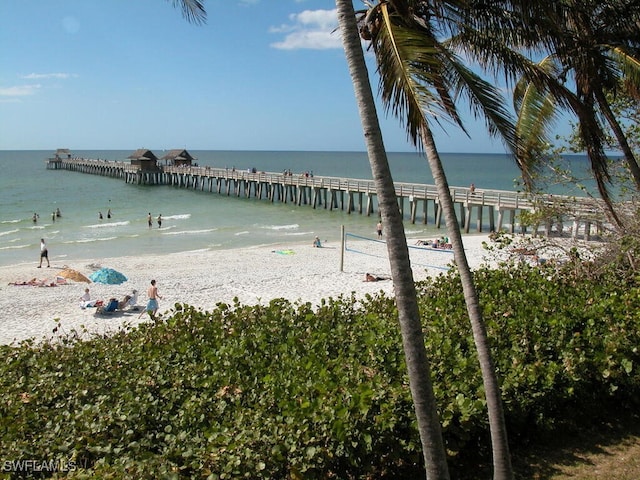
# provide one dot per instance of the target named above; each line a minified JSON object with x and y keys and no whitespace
{"x":417,"y":202}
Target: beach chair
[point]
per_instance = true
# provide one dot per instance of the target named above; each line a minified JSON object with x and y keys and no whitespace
{"x":110,"y":307}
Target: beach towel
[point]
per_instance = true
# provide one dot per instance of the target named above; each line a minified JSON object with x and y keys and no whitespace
{"x":284,"y":252}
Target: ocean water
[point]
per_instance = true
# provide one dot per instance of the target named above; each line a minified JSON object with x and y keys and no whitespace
{"x":195,"y":220}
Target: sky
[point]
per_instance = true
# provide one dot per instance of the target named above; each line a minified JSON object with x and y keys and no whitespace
{"x":122,"y":75}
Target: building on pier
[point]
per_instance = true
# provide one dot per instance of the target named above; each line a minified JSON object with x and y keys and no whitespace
{"x":145,"y":159}
{"x":55,"y":162}
{"x":178,"y":158}
{"x":144,"y":168}
{"x":62,"y":153}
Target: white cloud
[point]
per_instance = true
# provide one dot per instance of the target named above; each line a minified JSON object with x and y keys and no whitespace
{"x":310,"y":29}
{"x":39,"y":76}
{"x":19,"y":91}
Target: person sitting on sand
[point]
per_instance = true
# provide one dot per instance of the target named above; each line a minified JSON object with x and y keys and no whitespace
{"x":317,"y":243}
{"x":371,"y":278}
{"x":124,"y":303}
{"x":34,"y":282}
{"x":85,"y":300}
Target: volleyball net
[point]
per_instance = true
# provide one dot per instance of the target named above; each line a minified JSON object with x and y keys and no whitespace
{"x":419,"y":255}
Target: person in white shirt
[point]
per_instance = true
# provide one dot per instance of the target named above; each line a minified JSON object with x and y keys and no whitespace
{"x":85,"y":300}
{"x":44,"y":253}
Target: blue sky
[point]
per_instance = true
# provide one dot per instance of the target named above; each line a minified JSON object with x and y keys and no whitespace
{"x":122,"y":74}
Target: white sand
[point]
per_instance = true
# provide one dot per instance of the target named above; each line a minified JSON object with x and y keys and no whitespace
{"x":203,"y":279}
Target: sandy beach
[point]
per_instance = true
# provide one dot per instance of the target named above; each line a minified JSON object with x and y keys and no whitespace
{"x":297,"y":272}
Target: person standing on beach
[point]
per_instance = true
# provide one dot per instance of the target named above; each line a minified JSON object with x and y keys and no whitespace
{"x":44,"y":253}
{"x":379,"y":229}
{"x":152,"y":304}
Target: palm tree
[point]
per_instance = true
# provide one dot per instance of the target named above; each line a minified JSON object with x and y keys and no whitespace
{"x":420,"y":75}
{"x":406,"y":298}
{"x":594,"y":44}
{"x":409,"y":315}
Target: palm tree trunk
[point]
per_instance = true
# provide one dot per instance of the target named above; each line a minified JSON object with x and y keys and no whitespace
{"x":620,"y":136}
{"x":499,"y":441}
{"x":405,"y":293}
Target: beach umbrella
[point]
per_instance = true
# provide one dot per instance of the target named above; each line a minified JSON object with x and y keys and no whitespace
{"x":71,"y":274}
{"x":108,"y":276}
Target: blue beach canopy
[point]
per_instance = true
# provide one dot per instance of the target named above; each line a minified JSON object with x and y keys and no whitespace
{"x":108,"y":276}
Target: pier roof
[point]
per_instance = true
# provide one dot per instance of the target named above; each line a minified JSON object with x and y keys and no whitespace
{"x":143,"y":154}
{"x":178,"y":156}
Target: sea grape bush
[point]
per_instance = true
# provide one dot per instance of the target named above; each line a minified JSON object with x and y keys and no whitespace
{"x":562,"y":347}
{"x":286,"y":390}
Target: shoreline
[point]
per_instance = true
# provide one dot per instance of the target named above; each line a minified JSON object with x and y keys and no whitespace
{"x":202,"y":279}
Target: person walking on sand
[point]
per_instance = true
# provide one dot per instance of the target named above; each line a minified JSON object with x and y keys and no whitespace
{"x":44,"y":253}
{"x":152,"y":304}
{"x":379,"y":229}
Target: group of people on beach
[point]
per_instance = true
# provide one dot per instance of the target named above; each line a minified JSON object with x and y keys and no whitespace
{"x":150,"y":220}
{"x":442,"y":242}
{"x":129,"y":301}
{"x":55,"y":214}
{"x":100,"y":217}
{"x":44,"y":251}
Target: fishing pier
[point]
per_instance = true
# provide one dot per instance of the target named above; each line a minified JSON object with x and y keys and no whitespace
{"x":417,"y":202}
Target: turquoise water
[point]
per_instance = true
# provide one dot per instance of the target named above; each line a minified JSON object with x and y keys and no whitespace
{"x":195,"y":220}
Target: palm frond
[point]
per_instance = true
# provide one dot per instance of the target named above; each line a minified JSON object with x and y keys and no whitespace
{"x":628,"y":62}
{"x":407,"y":62}
{"x":421,"y":80}
{"x":192,"y":10}
{"x":537,"y":113}
{"x":485,"y":99}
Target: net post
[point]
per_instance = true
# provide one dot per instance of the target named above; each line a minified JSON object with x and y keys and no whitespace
{"x":342,"y":248}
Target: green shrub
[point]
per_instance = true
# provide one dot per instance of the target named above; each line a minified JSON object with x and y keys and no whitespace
{"x":290,"y":391}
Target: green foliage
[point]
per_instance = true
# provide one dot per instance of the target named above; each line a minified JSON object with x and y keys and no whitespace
{"x":255,"y":392}
{"x":290,"y":391}
{"x":561,"y":346}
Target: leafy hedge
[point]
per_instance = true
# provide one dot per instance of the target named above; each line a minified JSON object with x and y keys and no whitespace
{"x":562,"y":348}
{"x":291,"y":391}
